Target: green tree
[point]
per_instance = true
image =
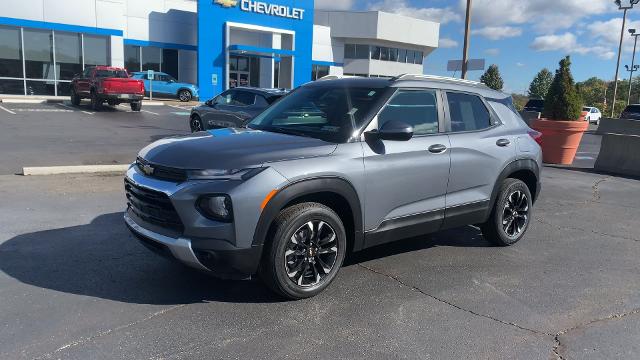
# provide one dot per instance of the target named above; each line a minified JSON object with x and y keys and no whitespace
{"x":492,"y":78}
{"x":563,"y":101}
{"x":540,"y":85}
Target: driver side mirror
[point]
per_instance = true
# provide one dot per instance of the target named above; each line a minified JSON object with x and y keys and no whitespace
{"x":395,"y":131}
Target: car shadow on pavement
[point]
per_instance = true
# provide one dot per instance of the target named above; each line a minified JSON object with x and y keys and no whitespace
{"x":103,"y":260}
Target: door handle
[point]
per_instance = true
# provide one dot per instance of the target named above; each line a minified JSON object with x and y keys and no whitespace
{"x":437,"y":149}
{"x":503,"y":142}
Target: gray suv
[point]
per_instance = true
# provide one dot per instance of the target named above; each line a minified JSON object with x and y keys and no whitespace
{"x":337,"y":166}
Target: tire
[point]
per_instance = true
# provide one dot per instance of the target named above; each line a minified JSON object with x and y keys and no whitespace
{"x":136,"y":106}
{"x":196,"y":124}
{"x":96,"y":102}
{"x":301,"y":260}
{"x":185,"y":95}
{"x":75,"y":98}
{"x":501,"y":229}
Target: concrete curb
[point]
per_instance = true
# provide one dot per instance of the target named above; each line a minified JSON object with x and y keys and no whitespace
{"x":81,"y":169}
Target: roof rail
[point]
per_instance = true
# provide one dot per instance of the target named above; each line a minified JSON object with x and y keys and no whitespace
{"x":437,"y":78}
{"x":336,"y":77}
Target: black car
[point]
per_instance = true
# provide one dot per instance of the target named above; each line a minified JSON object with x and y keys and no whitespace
{"x":534,"y":105}
{"x":631,"y":112}
{"x":234,"y":108}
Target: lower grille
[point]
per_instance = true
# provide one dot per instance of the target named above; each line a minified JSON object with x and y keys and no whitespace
{"x":152,"y":206}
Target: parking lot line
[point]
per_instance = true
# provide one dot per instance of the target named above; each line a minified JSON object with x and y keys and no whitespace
{"x":180,"y":107}
{"x":149,"y":112}
{"x":67,"y":106}
{"x":7,"y":110}
{"x":88,"y":113}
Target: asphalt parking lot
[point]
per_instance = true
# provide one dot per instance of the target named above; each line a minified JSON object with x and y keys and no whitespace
{"x":74,"y":284}
{"x":61,"y":134}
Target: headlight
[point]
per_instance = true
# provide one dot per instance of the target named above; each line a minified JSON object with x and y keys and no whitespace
{"x":216,"y":207}
{"x":233,"y":174}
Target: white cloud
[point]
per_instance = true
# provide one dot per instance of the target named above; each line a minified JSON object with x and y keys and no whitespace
{"x":519,"y":64}
{"x":402,"y":7}
{"x":545,"y":15}
{"x":334,"y":5}
{"x":492,"y":52}
{"x":568,"y":43}
{"x":448,"y":43}
{"x":498,"y":32}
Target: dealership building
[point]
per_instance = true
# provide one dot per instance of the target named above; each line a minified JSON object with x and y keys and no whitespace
{"x":217,"y":44}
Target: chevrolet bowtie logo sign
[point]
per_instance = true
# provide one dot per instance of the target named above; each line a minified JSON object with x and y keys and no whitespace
{"x":226,"y":3}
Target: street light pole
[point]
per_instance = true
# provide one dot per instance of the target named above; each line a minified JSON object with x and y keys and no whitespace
{"x":467,"y":34}
{"x":633,"y":62}
{"x":622,"y":5}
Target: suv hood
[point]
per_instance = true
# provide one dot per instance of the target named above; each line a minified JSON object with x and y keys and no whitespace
{"x":232,"y":149}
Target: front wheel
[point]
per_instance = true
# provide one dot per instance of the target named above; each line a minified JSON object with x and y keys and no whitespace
{"x":136,"y":106}
{"x":511,"y":214}
{"x":196,"y":124}
{"x":305,"y":252}
{"x":185,"y":95}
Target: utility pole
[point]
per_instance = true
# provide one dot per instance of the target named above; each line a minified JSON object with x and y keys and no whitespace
{"x":634,"y":67}
{"x":625,"y":5}
{"x":467,"y":34}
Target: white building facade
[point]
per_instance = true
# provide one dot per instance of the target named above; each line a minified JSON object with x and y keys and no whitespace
{"x":215,"y":43}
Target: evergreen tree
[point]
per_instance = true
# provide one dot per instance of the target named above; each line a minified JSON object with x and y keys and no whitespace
{"x":540,"y":85}
{"x":492,"y":78}
{"x":563,"y":101}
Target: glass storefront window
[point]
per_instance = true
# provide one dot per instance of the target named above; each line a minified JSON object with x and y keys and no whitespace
{"x":170,"y":62}
{"x":38,"y":54}
{"x":402,"y":55}
{"x":64,"y":88}
{"x":10,"y":53}
{"x":132,"y":58}
{"x":96,"y":50}
{"x":40,"y":87}
{"x":12,"y":87}
{"x":151,"y":58}
{"x":419,"y":56}
{"x":68,"y":55}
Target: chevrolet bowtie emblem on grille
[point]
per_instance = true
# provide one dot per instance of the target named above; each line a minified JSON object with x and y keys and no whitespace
{"x":226,"y":3}
{"x":147,"y":169}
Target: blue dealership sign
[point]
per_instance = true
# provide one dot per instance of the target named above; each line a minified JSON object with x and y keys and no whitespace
{"x":291,"y":17}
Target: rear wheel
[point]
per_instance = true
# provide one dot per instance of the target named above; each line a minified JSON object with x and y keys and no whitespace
{"x":511,"y":214}
{"x":185,"y":95}
{"x":75,"y":98}
{"x":196,"y":124}
{"x":305,"y":252}
{"x":136,"y":106}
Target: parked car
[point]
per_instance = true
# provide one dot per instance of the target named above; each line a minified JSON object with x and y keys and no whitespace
{"x":631,"y":112}
{"x":534,"y":105}
{"x":107,"y":84}
{"x":592,"y":115}
{"x":165,"y":85}
{"x":337,"y":166}
{"x":233,"y":108}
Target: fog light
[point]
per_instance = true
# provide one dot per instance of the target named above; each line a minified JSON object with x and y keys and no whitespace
{"x":216,"y":207}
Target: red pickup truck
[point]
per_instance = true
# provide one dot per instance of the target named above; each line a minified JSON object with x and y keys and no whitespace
{"x":107,"y":84}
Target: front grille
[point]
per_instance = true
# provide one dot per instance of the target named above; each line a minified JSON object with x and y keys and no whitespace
{"x":152,"y":206}
{"x":161,"y":172}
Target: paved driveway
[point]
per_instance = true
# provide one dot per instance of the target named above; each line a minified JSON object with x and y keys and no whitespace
{"x":75,"y":285}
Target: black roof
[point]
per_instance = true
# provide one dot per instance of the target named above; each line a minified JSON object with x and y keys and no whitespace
{"x":354,"y":81}
{"x":262,"y":91}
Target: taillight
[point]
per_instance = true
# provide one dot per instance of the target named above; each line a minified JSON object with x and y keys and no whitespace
{"x":536,"y":135}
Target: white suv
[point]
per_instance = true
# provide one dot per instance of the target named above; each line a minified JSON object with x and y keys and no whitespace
{"x":593,"y":115}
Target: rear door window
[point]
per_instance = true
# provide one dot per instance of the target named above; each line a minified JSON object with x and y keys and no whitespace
{"x":467,"y":112}
{"x":242,"y":98}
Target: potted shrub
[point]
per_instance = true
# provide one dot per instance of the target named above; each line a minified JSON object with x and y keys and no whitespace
{"x":560,"y":126}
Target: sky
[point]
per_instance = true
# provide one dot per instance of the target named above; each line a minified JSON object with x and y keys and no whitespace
{"x":520,"y":36}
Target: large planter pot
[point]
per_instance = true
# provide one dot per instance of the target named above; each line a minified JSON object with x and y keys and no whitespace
{"x":560,"y":139}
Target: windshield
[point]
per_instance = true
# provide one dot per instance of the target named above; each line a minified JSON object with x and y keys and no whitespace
{"x":111,"y":74}
{"x":330,"y":113}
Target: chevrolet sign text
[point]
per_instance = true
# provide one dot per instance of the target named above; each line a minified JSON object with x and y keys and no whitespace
{"x":261,"y":7}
